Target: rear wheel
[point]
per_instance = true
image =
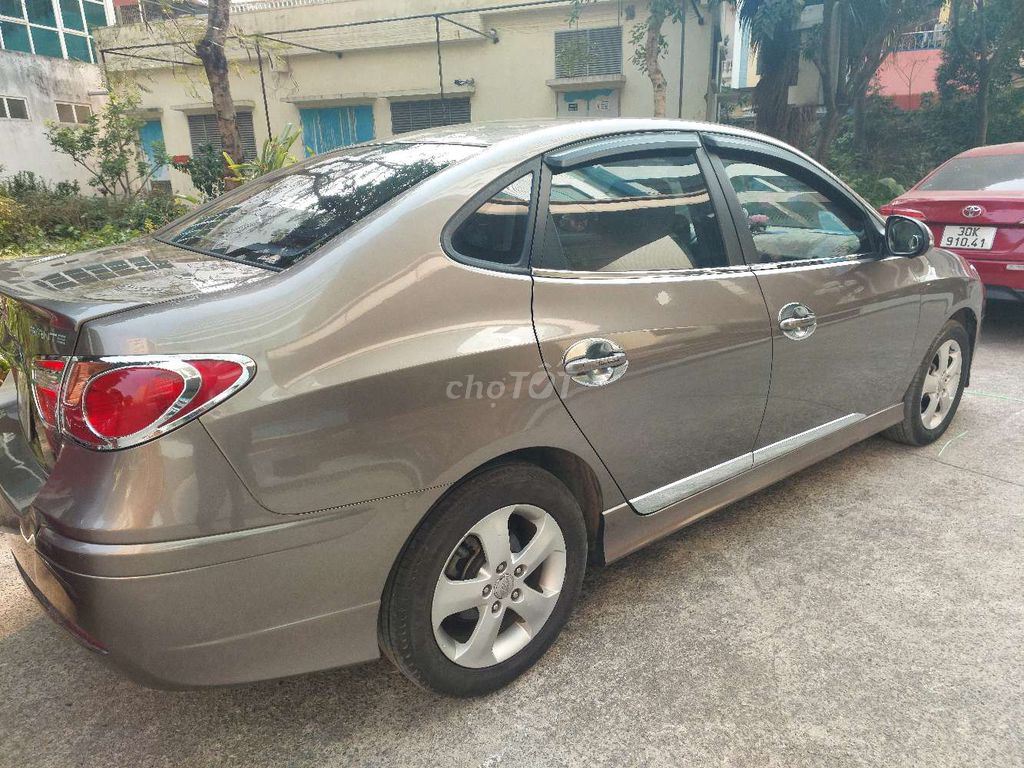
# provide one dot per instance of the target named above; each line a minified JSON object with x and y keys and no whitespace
{"x":934,"y":395}
{"x":486,"y":583}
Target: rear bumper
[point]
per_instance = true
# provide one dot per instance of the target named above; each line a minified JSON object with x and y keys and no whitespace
{"x":1003,"y":279}
{"x":254,"y":618}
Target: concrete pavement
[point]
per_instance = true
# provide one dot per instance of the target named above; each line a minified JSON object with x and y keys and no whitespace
{"x":868,"y":611}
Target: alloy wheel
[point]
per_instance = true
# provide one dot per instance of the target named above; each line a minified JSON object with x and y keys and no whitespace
{"x":941,"y":384}
{"x":499,"y":586}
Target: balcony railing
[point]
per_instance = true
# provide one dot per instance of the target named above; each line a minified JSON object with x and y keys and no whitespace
{"x":929,"y":40}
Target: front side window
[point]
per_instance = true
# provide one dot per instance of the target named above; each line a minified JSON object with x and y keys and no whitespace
{"x":648,"y":213}
{"x":277,"y":222}
{"x":790,"y":220}
{"x":496,"y":231}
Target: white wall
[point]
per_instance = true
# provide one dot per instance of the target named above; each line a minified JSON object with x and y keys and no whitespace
{"x":42,"y":82}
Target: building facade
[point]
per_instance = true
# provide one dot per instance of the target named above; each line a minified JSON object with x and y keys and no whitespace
{"x":352,"y":70}
{"x":47,"y":73}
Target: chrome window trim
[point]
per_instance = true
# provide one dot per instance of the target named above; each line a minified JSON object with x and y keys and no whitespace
{"x":678,"y":490}
{"x":829,"y":261}
{"x":659,"y":274}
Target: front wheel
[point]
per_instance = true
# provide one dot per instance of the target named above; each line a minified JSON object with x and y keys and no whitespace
{"x":935,"y":393}
{"x":486,"y":583}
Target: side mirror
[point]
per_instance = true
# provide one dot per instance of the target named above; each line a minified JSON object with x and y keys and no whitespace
{"x":907,"y":237}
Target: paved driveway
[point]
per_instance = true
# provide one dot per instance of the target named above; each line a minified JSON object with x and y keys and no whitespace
{"x":868,"y":611}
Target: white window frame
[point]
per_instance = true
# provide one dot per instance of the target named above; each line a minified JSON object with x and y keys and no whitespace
{"x":7,"y":109}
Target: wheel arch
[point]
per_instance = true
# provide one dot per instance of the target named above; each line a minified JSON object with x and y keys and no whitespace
{"x":969,"y":320}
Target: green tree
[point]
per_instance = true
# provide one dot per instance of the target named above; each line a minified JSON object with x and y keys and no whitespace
{"x":986,"y":42}
{"x":848,"y":48}
{"x":773,"y":33}
{"x":210,"y":51}
{"x":108,"y":146}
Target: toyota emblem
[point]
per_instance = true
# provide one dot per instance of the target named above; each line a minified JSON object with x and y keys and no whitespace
{"x":973,"y":211}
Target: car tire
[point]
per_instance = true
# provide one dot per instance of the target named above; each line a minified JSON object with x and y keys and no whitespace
{"x":448,"y":596}
{"x":931,"y":401}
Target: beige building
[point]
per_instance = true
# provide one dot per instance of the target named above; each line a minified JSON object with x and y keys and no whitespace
{"x":351,"y":70}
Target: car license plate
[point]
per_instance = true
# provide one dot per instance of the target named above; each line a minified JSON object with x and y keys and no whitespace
{"x":969,"y":238}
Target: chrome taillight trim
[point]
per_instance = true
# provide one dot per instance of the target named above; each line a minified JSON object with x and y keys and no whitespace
{"x":169,"y":420}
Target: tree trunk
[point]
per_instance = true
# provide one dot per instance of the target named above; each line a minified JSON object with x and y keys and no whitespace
{"x":982,"y":99}
{"x":771,"y":94}
{"x":859,"y":122}
{"x":651,"y":55}
{"x":823,"y":59}
{"x":827,"y":134}
{"x":210,"y":51}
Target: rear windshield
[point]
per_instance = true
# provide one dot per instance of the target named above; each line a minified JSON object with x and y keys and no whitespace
{"x":277,"y":223}
{"x":999,"y":173}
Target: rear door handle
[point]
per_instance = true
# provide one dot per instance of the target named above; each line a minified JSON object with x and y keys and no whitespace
{"x":583,"y":365}
{"x":595,"y":362}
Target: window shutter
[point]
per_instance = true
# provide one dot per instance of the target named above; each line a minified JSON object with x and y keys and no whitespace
{"x":428,"y":113}
{"x":203,"y":130}
{"x":588,"y":52}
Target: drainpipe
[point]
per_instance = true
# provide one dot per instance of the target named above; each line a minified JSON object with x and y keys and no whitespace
{"x":682,"y":59}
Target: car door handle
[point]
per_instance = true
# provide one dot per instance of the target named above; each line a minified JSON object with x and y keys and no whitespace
{"x":581,"y":365}
{"x":595,"y":362}
{"x":797,"y":323}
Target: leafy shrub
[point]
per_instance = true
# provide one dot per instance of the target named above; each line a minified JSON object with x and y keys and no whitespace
{"x":205,"y":168}
{"x":14,"y":225}
{"x":274,"y":155}
{"x":36,"y":216}
{"x":903,"y":147}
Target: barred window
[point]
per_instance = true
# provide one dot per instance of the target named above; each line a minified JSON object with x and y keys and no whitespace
{"x":428,"y":113}
{"x":588,"y":52}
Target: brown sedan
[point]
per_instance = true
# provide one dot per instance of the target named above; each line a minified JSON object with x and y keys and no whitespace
{"x":400,"y":396}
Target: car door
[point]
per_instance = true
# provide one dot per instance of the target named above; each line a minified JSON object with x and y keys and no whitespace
{"x":652,"y":329}
{"x":844,"y":316}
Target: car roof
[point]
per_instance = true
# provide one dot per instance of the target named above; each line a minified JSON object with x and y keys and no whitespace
{"x":535,"y":136}
{"x":1015,"y":148}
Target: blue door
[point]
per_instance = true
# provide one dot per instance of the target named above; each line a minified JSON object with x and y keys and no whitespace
{"x":327,"y":128}
{"x":150,"y":133}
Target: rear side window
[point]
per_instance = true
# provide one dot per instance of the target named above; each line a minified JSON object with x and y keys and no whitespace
{"x":648,"y":213}
{"x":999,"y":173}
{"x":496,"y":231}
{"x":277,"y":223}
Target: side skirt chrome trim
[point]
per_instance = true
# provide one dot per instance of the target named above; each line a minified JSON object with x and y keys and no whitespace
{"x":659,"y":498}
{"x":625,"y":531}
{"x":787,"y":444}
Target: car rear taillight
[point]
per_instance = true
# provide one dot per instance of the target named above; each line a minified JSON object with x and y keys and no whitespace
{"x":47,"y":374}
{"x":117,"y":402}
